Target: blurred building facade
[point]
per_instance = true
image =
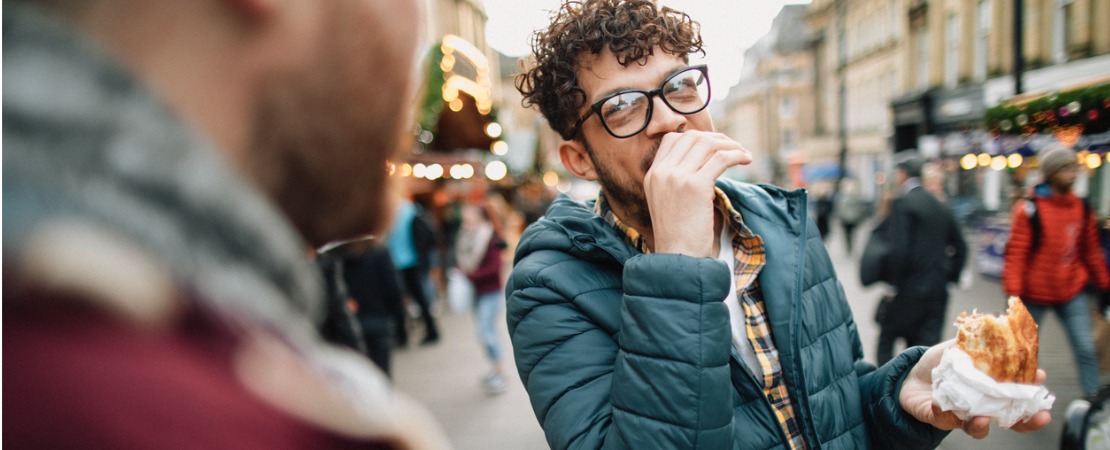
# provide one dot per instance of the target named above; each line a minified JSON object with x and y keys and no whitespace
{"x":880,"y":76}
{"x":962,"y":61}
{"x":857,"y":44}
{"x":770,"y":110}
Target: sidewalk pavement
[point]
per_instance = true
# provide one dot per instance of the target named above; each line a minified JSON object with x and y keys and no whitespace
{"x":446,"y":377}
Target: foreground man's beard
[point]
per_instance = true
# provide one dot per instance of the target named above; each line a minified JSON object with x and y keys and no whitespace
{"x":325,"y":134}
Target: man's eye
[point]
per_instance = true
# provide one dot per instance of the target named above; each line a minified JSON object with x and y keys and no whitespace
{"x":681,"y":84}
{"x":619,"y":103}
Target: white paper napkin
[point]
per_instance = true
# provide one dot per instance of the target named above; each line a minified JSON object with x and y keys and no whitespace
{"x":961,"y":388}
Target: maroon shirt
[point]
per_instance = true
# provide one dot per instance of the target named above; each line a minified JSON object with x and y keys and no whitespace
{"x":75,"y":377}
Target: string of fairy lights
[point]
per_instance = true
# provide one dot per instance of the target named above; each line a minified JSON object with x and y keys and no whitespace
{"x":1078,"y":118}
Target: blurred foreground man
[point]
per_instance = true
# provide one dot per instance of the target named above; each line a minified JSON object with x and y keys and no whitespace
{"x":165,"y":166}
{"x":680,"y":310}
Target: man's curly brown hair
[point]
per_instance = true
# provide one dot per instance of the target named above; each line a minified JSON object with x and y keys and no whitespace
{"x":631,"y":29}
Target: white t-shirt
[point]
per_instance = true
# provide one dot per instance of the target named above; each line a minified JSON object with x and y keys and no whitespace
{"x":736,"y":317}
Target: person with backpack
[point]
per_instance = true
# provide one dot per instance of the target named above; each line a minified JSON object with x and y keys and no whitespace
{"x":1052,"y":255}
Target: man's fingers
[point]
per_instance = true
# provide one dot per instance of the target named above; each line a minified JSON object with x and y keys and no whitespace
{"x":977,"y":427}
{"x":693,"y":160}
{"x":945,"y":420}
{"x":691,"y":150}
{"x":1034,"y":423}
{"x":722,"y":161}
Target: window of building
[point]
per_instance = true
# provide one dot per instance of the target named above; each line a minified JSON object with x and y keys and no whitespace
{"x":852,"y":32}
{"x":788,"y":106}
{"x":841,"y":48}
{"x":1060,"y":24}
{"x":895,"y":20}
{"x":982,"y":35}
{"x":921,"y":37}
{"x":952,"y":51}
{"x":868,"y":32}
{"x":788,"y":140}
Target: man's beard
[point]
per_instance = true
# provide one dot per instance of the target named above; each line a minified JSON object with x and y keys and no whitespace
{"x":325,"y":133}
{"x":627,"y":194}
{"x":1061,"y":184}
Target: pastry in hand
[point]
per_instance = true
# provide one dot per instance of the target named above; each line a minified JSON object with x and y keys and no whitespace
{"x":1003,"y":347}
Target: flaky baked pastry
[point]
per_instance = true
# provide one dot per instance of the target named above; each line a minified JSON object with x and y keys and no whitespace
{"x":1003,"y":347}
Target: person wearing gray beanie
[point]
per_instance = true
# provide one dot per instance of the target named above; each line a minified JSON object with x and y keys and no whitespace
{"x":1054,"y":253}
{"x":1054,"y":158}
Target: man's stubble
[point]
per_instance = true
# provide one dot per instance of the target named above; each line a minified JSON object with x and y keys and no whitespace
{"x":325,"y":133}
{"x":627,"y":194}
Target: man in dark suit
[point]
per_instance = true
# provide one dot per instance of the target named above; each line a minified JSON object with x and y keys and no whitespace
{"x":927,"y":253}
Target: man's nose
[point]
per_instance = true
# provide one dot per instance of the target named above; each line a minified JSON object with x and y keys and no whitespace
{"x":664,"y":119}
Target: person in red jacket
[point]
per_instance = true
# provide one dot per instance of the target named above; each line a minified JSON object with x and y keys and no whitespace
{"x":1053,"y":253}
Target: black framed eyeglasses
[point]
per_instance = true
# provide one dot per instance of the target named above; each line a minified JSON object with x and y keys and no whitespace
{"x":626,"y":113}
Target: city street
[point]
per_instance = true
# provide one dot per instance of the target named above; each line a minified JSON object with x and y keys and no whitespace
{"x":446,"y":377}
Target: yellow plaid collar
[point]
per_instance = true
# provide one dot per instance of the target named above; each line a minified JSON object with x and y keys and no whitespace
{"x":637,"y":241}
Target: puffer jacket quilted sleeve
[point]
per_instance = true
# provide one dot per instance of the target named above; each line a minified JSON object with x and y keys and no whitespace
{"x":670,"y":385}
{"x":890,"y":426}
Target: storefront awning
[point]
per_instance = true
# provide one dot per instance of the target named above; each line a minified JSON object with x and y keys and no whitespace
{"x":820,"y":172}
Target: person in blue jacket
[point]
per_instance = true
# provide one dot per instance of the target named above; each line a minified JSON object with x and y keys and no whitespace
{"x":679,"y":310}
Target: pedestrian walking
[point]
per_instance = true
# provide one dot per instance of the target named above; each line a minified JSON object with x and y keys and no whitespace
{"x":411,"y":243}
{"x":1053,"y":253}
{"x":478,"y":254}
{"x":927,"y":253}
{"x":340,"y":325}
{"x":374,"y":286}
{"x":823,"y":213}
{"x":851,"y":209}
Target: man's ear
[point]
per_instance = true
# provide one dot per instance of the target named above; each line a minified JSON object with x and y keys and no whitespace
{"x":577,"y":160}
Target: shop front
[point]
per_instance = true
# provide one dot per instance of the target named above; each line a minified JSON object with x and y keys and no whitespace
{"x":1017,"y":130}
{"x":912,"y":119}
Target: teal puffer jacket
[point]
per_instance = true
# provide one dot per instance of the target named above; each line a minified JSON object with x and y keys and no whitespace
{"x":624,"y":350}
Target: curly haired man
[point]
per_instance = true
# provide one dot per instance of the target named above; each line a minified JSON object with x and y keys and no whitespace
{"x":679,"y":310}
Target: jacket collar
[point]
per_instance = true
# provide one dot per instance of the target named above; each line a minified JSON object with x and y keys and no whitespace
{"x":1044,"y":192}
{"x":573,"y":227}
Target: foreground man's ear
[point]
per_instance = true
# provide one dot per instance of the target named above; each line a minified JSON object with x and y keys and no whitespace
{"x":577,"y":160}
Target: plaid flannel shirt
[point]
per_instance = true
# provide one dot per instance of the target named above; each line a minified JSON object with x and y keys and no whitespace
{"x":748,"y":251}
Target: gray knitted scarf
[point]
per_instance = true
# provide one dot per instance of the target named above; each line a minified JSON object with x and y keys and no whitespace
{"x":85,"y":141}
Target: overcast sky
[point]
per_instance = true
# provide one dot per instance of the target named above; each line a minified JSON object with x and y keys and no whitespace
{"x":728,"y":28}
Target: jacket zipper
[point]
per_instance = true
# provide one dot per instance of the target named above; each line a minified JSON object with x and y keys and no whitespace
{"x":759,"y":383}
